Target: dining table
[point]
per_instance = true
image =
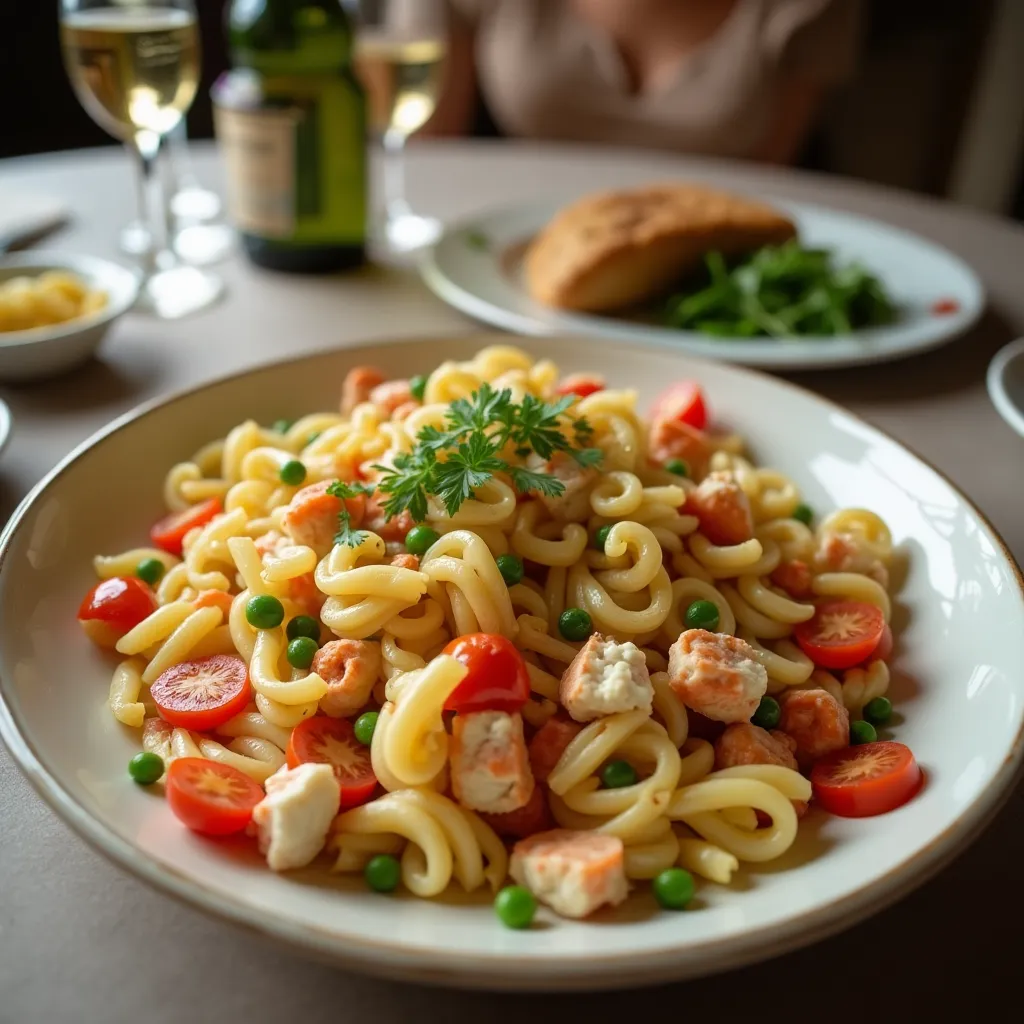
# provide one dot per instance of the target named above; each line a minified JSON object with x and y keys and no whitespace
{"x":82,"y":940}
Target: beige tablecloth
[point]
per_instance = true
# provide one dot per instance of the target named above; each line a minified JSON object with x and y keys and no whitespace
{"x":81,"y":941}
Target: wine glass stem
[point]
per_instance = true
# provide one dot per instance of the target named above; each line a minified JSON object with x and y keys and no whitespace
{"x":395,"y":203}
{"x":146,"y":146}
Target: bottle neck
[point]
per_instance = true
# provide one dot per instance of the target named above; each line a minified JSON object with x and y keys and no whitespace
{"x":315,"y":34}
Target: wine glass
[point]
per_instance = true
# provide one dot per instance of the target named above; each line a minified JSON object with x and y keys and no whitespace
{"x":134,"y":65}
{"x":399,"y":58}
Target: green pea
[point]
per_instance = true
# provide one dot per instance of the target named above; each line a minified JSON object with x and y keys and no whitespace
{"x":878,"y":711}
{"x":145,"y":768}
{"x":263,"y":611}
{"x":804,"y":514}
{"x":418,"y":387}
{"x":862,"y":732}
{"x":702,"y":615}
{"x":575,"y":624}
{"x":601,"y":536}
{"x":383,"y":873}
{"x":293,"y":473}
{"x":149,"y":570}
{"x":511,"y":568}
{"x":618,"y":775}
{"x":673,"y":888}
{"x":768,"y":713}
{"x":678,"y":466}
{"x":420,"y":539}
{"x":365,"y":727}
{"x":301,"y":652}
{"x":281,"y":426}
{"x":515,"y":906}
{"x":303,"y":625}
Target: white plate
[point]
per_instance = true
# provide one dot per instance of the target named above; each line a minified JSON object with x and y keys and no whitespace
{"x":959,"y":685}
{"x":1005,"y":380}
{"x":5,"y":424}
{"x":488,"y":284}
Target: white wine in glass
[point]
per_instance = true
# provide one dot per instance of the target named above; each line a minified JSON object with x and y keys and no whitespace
{"x":135,"y":68}
{"x":400,"y":51}
{"x":402,"y":79}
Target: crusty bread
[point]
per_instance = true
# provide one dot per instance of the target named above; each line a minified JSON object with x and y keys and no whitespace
{"x":617,"y":249}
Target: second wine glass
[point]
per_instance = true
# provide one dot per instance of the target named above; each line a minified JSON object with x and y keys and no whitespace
{"x":135,"y":70}
{"x":400,"y":50}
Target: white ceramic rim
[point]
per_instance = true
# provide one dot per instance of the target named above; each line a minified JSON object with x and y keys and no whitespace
{"x":6,"y":421}
{"x":411,"y":963}
{"x":995,"y":379}
{"x":93,"y":267}
{"x":808,"y":354}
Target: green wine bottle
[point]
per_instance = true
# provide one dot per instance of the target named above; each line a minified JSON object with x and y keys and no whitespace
{"x":291,"y":122}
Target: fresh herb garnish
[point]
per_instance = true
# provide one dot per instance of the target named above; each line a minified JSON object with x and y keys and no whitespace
{"x":342,"y":490}
{"x":453,"y":462}
{"x":783,"y":291}
{"x":476,"y":239}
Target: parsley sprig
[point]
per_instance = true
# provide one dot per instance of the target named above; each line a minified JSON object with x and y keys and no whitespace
{"x":342,"y":490}
{"x":452,"y":463}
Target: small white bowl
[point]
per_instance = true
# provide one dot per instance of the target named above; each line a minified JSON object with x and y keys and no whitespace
{"x":46,"y":351}
{"x":1006,"y":384}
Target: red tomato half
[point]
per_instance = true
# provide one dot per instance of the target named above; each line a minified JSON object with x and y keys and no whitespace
{"x":683,"y":401}
{"x":841,"y":634}
{"x":884,"y":649}
{"x":497,"y":678}
{"x":581,"y":384}
{"x":869,"y":779}
{"x":321,"y":740}
{"x":204,"y":693}
{"x":212,"y":798}
{"x":170,"y":531}
{"x":121,"y":603}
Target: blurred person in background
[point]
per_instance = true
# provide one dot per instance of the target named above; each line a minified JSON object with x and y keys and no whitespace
{"x":732,"y":78}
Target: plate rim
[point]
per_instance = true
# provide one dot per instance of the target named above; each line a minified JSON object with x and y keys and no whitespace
{"x":778,"y":358}
{"x":490,"y":971}
{"x":6,"y":425}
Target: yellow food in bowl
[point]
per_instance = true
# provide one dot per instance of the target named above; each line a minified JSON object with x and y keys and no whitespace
{"x":54,"y":297}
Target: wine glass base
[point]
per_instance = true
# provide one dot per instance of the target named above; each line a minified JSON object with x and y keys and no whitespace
{"x":135,"y":239}
{"x":195,"y":203}
{"x":204,"y":244}
{"x":174,"y":293}
{"x":407,"y":232}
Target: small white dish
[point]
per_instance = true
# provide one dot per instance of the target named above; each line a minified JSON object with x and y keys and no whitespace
{"x":5,"y":425}
{"x":477,"y":268}
{"x":47,"y":351}
{"x":958,"y":685}
{"x":1005,"y":381}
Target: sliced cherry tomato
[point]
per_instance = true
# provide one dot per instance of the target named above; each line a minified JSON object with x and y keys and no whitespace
{"x":869,"y":779}
{"x":204,"y":693}
{"x":682,"y":401}
{"x":497,"y":678}
{"x":528,"y":820}
{"x":841,"y":634}
{"x":884,"y":649}
{"x":209,"y":797}
{"x":332,"y":741}
{"x":170,"y":531}
{"x":581,"y":384}
{"x":944,"y":307}
{"x":119,"y":603}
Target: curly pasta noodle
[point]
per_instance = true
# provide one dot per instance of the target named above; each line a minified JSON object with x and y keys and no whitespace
{"x":528,"y":538}
{"x":861,"y":685}
{"x":853,"y":586}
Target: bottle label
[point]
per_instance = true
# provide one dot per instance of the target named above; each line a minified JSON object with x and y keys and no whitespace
{"x":296,"y":160}
{"x":259,"y":156}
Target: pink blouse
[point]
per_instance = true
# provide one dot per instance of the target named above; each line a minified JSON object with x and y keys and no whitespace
{"x":546,"y":73}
